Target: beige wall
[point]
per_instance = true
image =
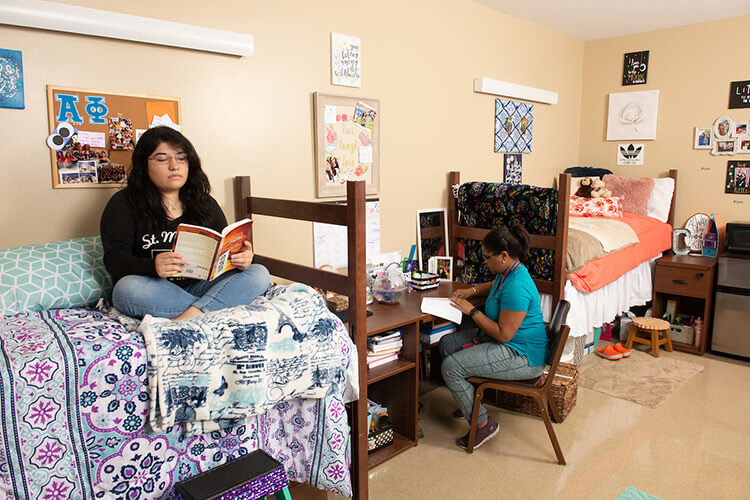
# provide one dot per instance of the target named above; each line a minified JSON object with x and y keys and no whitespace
{"x":692,"y":67}
{"x":254,"y":115}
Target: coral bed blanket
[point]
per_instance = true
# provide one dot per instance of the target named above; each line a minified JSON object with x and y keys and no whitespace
{"x":654,"y":237}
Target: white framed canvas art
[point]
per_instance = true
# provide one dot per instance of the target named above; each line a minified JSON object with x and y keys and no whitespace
{"x":632,"y":116}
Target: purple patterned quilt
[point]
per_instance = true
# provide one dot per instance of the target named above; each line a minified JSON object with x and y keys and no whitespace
{"x":74,"y":406}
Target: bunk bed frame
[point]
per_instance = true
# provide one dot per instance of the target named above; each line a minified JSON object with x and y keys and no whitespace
{"x":559,"y":242}
{"x":352,"y":216}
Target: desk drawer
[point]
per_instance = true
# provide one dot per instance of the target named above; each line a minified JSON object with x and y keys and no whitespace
{"x":683,"y":281}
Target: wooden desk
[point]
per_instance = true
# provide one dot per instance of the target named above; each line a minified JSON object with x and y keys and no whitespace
{"x":396,"y":384}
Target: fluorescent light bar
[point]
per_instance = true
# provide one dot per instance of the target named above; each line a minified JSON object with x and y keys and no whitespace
{"x":497,"y":87}
{"x":85,"y":21}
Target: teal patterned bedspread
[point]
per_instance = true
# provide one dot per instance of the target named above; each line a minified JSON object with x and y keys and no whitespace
{"x":74,"y":415}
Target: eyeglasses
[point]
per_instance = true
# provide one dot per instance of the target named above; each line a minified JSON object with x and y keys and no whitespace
{"x":488,"y":257}
{"x":163,"y":158}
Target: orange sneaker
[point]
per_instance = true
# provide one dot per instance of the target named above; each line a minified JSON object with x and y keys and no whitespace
{"x":609,"y":352}
{"x":622,"y":350}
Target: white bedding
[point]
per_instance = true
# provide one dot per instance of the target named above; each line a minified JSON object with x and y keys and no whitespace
{"x":591,"y":310}
{"x":613,"y":234}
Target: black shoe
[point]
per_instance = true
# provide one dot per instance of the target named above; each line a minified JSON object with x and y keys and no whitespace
{"x":484,"y":434}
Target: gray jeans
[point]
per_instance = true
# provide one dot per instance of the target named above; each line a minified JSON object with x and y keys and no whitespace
{"x":489,"y":358}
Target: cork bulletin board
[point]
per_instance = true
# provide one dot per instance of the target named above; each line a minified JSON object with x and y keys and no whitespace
{"x":347,"y":137}
{"x":93,"y":133}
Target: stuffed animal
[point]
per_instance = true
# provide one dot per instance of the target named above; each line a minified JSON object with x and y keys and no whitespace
{"x":598,"y":190}
{"x":584,"y":191}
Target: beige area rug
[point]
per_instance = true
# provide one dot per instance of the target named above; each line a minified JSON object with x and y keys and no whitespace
{"x":640,"y":378}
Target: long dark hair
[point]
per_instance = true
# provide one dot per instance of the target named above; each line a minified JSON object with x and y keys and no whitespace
{"x":515,"y":241}
{"x":145,"y":197}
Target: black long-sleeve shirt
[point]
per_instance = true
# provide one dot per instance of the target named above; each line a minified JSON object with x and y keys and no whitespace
{"x":131,"y":249}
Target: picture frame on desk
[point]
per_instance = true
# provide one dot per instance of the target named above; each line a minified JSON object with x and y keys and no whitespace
{"x":442,"y":266}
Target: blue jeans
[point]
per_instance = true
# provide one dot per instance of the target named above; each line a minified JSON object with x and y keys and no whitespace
{"x":489,"y":359}
{"x":137,"y":295}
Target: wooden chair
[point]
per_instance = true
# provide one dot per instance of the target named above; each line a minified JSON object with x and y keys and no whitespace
{"x":557,"y":332}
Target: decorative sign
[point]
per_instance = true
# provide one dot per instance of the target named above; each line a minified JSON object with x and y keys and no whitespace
{"x":635,"y":69}
{"x":346,"y":68}
{"x":739,"y":94}
{"x":512,"y":168}
{"x":630,"y":154}
{"x":514,"y":122}
{"x":11,"y":79}
{"x":738,"y":177}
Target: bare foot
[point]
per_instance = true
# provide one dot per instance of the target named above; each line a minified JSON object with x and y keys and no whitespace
{"x":189,"y":313}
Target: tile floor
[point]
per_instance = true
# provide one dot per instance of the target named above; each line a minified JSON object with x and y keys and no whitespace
{"x":694,"y":445}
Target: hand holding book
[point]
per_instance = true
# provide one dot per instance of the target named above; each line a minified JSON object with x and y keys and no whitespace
{"x":208,"y":254}
{"x":168,"y":264}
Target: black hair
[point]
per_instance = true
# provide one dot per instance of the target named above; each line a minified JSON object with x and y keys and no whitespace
{"x":515,"y":241}
{"x":146,"y":198}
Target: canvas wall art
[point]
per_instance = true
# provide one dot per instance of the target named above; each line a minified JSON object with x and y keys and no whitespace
{"x":630,"y":154}
{"x":11,"y":79}
{"x":512,"y":168}
{"x":514,"y":123}
{"x":632,"y":116}
{"x":346,"y":64}
{"x":738,"y":177}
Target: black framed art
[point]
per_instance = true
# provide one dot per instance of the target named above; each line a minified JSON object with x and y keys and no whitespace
{"x":635,"y":68}
{"x":738,"y":177}
{"x":739,"y":94}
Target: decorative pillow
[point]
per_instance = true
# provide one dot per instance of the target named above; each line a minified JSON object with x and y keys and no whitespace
{"x":634,"y":193}
{"x":660,"y":200}
{"x":595,"y":207}
{"x":68,"y":273}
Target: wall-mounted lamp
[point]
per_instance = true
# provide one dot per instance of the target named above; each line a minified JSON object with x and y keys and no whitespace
{"x":497,"y":87}
{"x":85,"y":21}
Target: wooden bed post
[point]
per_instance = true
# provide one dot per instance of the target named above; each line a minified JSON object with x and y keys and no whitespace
{"x":242,"y":206}
{"x":453,"y":179}
{"x":561,"y":238}
{"x":673,"y":175}
{"x":355,"y":218}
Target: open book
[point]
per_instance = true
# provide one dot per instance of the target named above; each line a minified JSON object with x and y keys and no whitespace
{"x":442,"y":308}
{"x":206,"y":251}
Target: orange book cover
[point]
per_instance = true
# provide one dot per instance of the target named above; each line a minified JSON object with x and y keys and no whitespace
{"x":207,"y":251}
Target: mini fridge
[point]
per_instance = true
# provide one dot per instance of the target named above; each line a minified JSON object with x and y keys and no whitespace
{"x":731,"y":327}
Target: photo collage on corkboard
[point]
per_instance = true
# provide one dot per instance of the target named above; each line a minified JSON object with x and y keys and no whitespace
{"x":93,"y":133}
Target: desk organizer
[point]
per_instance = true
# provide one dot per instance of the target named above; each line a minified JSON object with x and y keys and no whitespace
{"x":564,"y":394}
{"x":251,"y":476}
{"x":424,"y":281}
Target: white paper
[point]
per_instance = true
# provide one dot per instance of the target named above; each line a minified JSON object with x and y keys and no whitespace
{"x":365,"y":154}
{"x":442,"y":308}
{"x":330,"y":114}
{"x":93,"y":139}
{"x":166,"y":121}
{"x":329,"y":240}
{"x":138,"y":133}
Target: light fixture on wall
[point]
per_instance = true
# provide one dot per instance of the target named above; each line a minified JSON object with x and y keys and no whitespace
{"x":94,"y":22}
{"x":506,"y":89}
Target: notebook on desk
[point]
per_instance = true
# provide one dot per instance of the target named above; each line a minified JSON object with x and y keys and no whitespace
{"x":344,"y":315}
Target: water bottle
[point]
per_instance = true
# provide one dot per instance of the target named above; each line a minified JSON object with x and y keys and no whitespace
{"x":698,"y":328}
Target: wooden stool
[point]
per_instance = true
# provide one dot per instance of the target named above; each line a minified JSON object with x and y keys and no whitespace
{"x":651,"y":328}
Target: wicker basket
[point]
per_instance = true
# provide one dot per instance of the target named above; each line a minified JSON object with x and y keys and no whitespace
{"x":564,"y":393}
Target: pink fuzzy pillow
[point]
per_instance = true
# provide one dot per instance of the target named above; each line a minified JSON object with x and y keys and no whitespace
{"x":634,"y":193}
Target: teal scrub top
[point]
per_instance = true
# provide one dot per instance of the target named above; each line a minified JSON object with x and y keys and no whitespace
{"x":518,"y":293}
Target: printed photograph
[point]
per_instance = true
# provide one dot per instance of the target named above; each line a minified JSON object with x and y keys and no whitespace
{"x":744,"y":146}
{"x":333,"y":171}
{"x":740,"y":128}
{"x":702,"y":138}
{"x":121,"y":134}
{"x":110,"y":173}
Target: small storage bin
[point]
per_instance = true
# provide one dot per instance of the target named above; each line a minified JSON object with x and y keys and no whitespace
{"x":564,"y":394}
{"x":381,"y":437}
{"x":682,"y":333}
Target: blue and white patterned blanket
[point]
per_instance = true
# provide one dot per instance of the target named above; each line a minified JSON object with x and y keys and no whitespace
{"x":74,"y":405}
{"x":219,"y":368}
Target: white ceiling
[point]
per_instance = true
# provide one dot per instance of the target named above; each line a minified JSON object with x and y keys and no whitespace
{"x":595,"y":19}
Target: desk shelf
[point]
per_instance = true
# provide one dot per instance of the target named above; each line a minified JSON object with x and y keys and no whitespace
{"x":399,"y":445}
{"x":389,"y":369}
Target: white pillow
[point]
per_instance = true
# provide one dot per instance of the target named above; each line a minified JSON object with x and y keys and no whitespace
{"x":661,"y":198}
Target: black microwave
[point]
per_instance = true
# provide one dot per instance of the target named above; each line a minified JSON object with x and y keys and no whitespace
{"x":738,"y":238}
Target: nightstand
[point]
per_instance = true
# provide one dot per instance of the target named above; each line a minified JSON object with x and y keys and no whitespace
{"x":690,"y":280}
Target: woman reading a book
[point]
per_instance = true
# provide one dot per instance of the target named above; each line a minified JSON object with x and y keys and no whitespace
{"x":511,"y":341}
{"x":166,"y":187}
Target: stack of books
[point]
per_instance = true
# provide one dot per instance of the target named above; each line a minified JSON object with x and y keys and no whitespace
{"x":434,"y":334}
{"x":383,"y":348}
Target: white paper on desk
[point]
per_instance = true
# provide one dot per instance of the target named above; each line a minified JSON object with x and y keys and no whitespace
{"x":442,"y":308}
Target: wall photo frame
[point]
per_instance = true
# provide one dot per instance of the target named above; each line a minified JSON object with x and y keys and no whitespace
{"x":347,"y":143}
{"x":738,"y":177}
{"x":442,"y":266}
{"x":702,"y":138}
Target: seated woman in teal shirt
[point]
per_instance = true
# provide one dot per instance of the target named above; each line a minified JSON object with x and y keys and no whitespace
{"x":511,"y":342}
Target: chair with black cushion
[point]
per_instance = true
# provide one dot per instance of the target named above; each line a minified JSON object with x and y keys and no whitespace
{"x":557,"y":332}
